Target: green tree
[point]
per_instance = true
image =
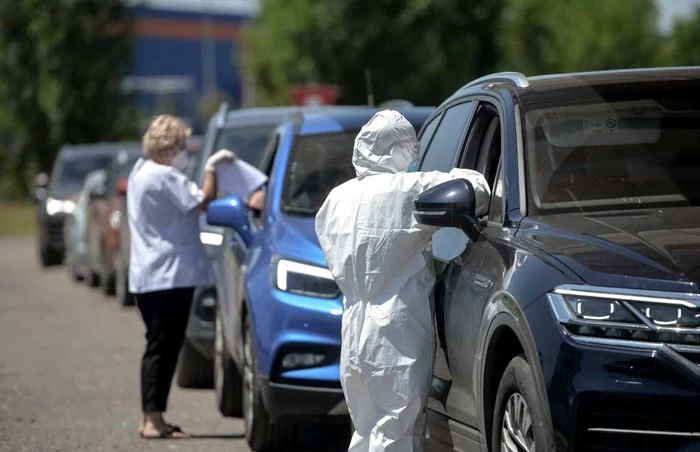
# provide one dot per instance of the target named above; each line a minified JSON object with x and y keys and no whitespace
{"x":420,"y":50}
{"x":61,"y":63}
{"x":683,"y":46}
{"x":551,"y":36}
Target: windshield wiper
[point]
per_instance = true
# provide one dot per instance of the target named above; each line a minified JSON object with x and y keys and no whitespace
{"x":299,"y":210}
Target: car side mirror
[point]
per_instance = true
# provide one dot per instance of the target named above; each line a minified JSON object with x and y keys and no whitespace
{"x":450,"y":204}
{"x":231,"y":212}
{"x":121,"y":186}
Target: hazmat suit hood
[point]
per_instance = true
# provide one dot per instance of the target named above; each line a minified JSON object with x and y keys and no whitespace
{"x":386,"y":144}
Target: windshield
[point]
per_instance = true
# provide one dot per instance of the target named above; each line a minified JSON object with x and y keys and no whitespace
{"x":71,"y":172}
{"x":318,"y":164}
{"x":642,"y":151}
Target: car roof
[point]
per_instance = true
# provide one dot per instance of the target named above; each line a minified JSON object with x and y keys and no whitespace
{"x":573,"y":85}
{"x":272,"y":115}
{"x":100,"y":149}
{"x":314,"y":123}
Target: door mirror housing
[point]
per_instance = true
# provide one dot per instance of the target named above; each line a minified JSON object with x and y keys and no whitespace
{"x":232,"y":213}
{"x":122,"y":185}
{"x":450,"y":204}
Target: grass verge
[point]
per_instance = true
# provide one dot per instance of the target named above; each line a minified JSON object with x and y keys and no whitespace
{"x":17,"y":219}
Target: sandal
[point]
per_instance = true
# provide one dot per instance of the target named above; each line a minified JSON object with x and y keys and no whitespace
{"x":167,"y":433}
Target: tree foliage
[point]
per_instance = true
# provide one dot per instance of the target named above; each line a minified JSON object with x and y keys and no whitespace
{"x":420,"y":50}
{"x":552,"y":36}
{"x":61,"y":64}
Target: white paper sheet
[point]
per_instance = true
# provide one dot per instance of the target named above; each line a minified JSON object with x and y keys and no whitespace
{"x":238,"y":178}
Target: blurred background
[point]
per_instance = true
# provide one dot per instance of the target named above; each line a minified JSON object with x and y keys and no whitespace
{"x":86,"y":71}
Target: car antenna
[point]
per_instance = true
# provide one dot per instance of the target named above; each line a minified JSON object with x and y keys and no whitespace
{"x":370,"y":91}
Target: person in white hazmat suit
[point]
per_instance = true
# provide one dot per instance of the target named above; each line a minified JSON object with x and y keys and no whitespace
{"x":381,"y":259}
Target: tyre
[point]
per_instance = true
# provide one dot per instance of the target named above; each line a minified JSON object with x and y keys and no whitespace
{"x":121,"y":287}
{"x":93,"y":278}
{"x":194,"y":369}
{"x":107,"y":283}
{"x":261,"y":433}
{"x":518,"y":415}
{"x":48,"y":257}
{"x":227,"y":379}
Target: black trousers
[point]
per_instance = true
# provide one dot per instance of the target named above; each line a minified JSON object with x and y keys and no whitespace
{"x":165,"y":314}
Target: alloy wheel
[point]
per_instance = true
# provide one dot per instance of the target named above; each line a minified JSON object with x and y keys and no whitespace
{"x":517,"y":434}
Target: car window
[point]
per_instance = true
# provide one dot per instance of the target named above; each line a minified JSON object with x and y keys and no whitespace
{"x":71,"y":171}
{"x":268,"y":155}
{"x":247,"y":142}
{"x":497,"y":206}
{"x":317,"y":164}
{"x":427,"y":135}
{"x":446,"y":142}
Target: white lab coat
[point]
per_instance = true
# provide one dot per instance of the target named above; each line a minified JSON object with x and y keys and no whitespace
{"x":381,"y":260}
{"x":166,"y":252}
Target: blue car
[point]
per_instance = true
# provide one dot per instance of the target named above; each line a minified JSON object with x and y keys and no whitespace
{"x":278,"y":318}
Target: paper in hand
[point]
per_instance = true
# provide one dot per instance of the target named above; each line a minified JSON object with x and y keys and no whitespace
{"x":238,"y":178}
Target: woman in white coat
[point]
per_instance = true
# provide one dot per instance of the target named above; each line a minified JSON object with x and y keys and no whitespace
{"x":167,"y":258}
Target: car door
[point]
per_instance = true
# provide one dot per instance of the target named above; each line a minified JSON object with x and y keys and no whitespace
{"x":470,"y":275}
{"x":235,"y":255}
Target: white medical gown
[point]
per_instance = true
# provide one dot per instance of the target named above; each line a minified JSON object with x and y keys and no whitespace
{"x":380,"y":257}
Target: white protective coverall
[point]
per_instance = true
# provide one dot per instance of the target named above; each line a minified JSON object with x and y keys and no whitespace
{"x":381,"y":259}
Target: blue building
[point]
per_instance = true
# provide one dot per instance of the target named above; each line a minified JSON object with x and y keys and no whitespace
{"x":184,"y":52}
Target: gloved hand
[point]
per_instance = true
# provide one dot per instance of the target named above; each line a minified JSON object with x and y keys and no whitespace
{"x":223,"y":155}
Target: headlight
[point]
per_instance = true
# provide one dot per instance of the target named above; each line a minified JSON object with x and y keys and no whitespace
{"x":54,"y":206}
{"x":68,"y":207}
{"x":304,"y":279}
{"x":629,"y":315}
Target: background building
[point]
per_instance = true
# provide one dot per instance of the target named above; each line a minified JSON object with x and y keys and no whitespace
{"x":187,"y":56}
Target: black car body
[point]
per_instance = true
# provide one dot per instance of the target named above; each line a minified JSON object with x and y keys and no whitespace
{"x":570,"y":320}
{"x":71,"y":166}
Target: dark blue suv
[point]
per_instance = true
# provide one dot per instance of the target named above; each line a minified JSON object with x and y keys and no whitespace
{"x":279,"y":310}
{"x":569,"y":317}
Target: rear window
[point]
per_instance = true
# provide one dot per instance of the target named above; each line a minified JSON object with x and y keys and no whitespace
{"x":71,"y":170}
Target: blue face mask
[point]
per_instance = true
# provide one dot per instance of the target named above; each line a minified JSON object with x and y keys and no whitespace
{"x":413,"y":166}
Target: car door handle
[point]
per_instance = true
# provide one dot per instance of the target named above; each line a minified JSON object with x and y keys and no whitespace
{"x":482,"y":282}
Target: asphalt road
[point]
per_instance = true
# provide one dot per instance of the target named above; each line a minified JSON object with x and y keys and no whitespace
{"x":69,"y":361}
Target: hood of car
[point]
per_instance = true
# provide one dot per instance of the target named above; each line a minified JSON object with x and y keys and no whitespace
{"x":657,"y":249}
{"x":295,"y":238}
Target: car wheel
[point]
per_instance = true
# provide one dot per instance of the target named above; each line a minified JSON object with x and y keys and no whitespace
{"x":107,"y":283}
{"x":49,"y":257}
{"x":121,"y":286}
{"x":261,"y":433}
{"x":518,"y":415}
{"x":227,"y":379}
{"x":194,"y":369}
{"x":93,"y":278}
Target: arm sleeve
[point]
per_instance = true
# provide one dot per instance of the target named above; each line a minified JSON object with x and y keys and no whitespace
{"x":182,"y":192}
{"x":482,"y":191}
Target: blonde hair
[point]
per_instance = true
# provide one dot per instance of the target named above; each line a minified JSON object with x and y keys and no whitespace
{"x":166,"y":136}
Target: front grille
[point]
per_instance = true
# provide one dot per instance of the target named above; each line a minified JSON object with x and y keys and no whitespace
{"x":637,"y":423}
{"x":56,"y":232}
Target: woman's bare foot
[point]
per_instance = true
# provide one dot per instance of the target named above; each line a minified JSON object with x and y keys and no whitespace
{"x":153,"y":426}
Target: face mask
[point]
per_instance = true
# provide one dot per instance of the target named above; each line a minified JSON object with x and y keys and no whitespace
{"x":180,"y":161}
